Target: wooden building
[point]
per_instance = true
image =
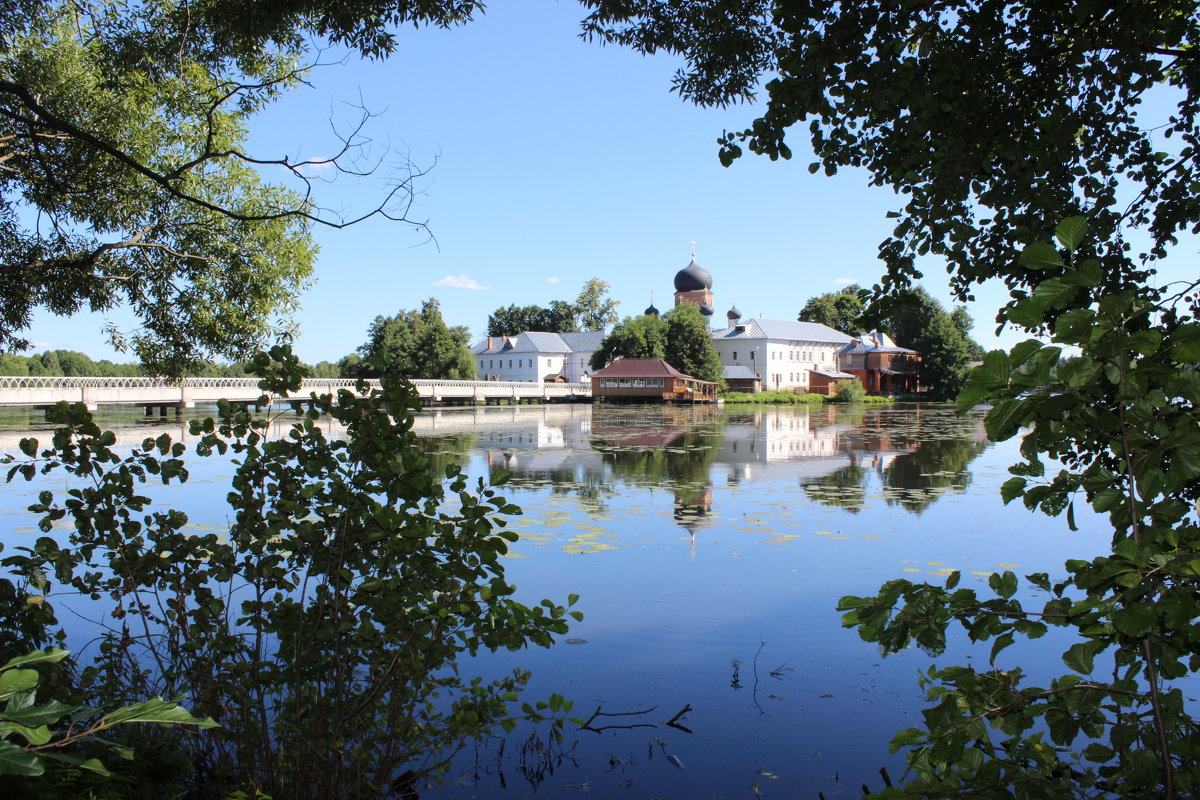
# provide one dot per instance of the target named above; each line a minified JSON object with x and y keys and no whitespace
{"x":826,"y":381}
{"x":649,"y":380}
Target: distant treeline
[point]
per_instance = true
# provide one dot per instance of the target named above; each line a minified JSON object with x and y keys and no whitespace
{"x":69,"y":363}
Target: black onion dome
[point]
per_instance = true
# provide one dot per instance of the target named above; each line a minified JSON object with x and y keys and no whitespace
{"x":706,"y":310}
{"x":733,"y":313}
{"x":692,"y":278}
{"x":651,"y":311}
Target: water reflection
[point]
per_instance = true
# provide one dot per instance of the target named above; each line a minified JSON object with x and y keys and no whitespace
{"x":840,"y":457}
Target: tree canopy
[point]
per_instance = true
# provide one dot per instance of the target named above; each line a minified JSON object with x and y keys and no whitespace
{"x":681,"y":337}
{"x":632,"y":337}
{"x":126,"y":180}
{"x":1052,"y":146}
{"x":1056,"y":124}
{"x":513,"y":320}
{"x":840,"y":310}
{"x":919,"y":322}
{"x":416,"y":344}
{"x":592,"y":310}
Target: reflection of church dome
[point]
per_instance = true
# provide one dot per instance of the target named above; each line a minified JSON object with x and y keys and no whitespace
{"x":692,"y":278}
{"x":651,"y":311}
{"x":733,"y":313}
{"x":706,"y":310}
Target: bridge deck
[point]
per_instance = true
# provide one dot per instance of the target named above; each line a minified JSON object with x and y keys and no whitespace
{"x":154,"y":393}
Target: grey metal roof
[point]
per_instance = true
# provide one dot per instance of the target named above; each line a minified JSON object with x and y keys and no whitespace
{"x":584,"y":341}
{"x":787,"y":330}
{"x":832,"y":373}
{"x":541,"y":342}
{"x":739,"y":373}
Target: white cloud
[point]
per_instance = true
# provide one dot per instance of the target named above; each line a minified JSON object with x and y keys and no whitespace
{"x":552,"y":280}
{"x":844,"y":281}
{"x":460,"y":282}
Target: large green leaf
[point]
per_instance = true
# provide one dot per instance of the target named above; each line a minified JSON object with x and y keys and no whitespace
{"x":1041,"y":255}
{"x":39,"y":715}
{"x":15,"y":761}
{"x":17,"y":680}
{"x":50,"y":654}
{"x":1070,"y":232}
{"x":36,"y":735}
{"x":157,"y":710}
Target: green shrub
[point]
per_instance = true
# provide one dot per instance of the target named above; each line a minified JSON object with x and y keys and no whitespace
{"x":783,"y":398}
{"x":850,"y":392}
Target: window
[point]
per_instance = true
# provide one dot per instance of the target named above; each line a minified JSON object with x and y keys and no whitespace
{"x":735,"y":355}
{"x":547,"y":362}
{"x":641,"y":382}
{"x":622,"y":381}
{"x":510,"y":363}
{"x":751,"y":355}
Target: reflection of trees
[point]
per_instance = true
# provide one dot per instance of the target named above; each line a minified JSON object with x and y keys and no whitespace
{"x":590,"y":488}
{"x":843,"y":488}
{"x":447,"y":450}
{"x":682,"y":457}
{"x":915,"y":480}
{"x":676,"y":450}
{"x":932,"y":450}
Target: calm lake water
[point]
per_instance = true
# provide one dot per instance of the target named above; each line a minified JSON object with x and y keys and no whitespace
{"x":709,"y":547}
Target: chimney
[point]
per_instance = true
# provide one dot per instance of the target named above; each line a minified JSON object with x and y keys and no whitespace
{"x":489,"y":343}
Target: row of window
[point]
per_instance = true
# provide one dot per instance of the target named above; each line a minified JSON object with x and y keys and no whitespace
{"x":625,"y":383}
{"x":800,"y":355}
{"x":793,"y":355}
{"x":499,"y":363}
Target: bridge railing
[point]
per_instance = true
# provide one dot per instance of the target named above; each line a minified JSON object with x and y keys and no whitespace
{"x":309,"y":384}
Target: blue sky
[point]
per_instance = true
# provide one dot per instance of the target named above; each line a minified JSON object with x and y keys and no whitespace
{"x":556,"y":161}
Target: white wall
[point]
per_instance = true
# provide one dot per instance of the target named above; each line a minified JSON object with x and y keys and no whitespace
{"x":514,"y":366}
{"x":782,"y":365}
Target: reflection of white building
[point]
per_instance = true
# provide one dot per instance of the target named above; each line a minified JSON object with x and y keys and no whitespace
{"x":780,"y":435}
{"x":521,"y":439}
{"x":537,"y":356}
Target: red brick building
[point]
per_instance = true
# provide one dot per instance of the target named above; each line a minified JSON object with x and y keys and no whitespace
{"x":883,"y":367}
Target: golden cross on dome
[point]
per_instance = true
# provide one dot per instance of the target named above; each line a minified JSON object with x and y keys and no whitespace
{"x":693,"y":249}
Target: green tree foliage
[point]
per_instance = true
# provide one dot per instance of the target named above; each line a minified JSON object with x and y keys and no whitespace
{"x":839,"y":310}
{"x":1054,"y":92}
{"x":963,"y":320}
{"x":633,"y":337}
{"x":126,"y":181}
{"x":680,"y":336}
{"x":593,"y":308}
{"x":1057,"y":142}
{"x":688,"y":345}
{"x":333,"y":665}
{"x":591,"y":311}
{"x":416,"y":344}
{"x":1120,"y":425}
{"x":917,"y":321}
{"x":36,"y":734}
{"x":514,"y":320}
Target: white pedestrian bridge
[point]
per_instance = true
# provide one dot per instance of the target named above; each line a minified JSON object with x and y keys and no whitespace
{"x":157,"y":394}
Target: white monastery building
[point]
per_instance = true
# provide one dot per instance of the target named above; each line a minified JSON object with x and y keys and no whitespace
{"x":537,"y":356}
